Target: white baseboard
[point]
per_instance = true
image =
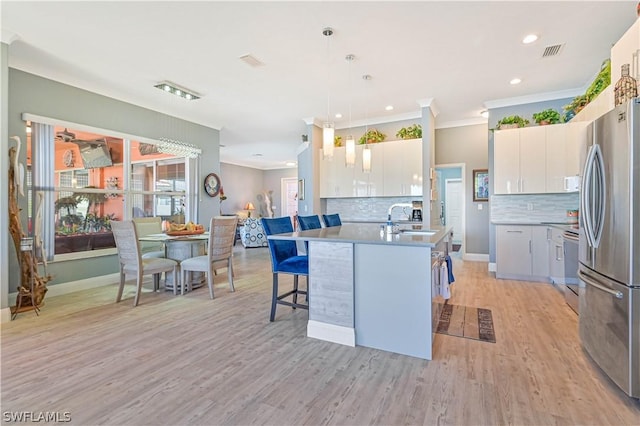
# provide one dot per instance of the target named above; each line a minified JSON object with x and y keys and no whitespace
{"x":475,"y":257}
{"x":5,"y":315}
{"x":492,"y":267}
{"x":331,"y":333}
{"x":73,"y":286}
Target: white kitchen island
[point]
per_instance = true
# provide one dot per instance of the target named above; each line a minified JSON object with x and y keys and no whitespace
{"x":373,"y":289}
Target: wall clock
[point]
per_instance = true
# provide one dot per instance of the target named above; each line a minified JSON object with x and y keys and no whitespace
{"x":212,"y":184}
{"x":67,"y":158}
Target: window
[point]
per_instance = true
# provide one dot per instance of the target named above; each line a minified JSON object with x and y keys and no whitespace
{"x":86,"y":173}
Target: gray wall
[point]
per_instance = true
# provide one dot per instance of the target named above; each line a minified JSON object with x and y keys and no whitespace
{"x":242,"y":184}
{"x":272,"y":180}
{"x":468,"y":145}
{"x":36,"y":95}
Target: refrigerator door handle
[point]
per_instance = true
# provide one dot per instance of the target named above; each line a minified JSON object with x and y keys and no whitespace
{"x":589,"y":280}
{"x":586,"y":189}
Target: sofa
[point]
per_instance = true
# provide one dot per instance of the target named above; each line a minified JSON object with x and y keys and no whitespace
{"x":252,"y":234}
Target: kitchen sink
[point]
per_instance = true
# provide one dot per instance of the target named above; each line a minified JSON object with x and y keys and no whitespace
{"x":417,"y":232}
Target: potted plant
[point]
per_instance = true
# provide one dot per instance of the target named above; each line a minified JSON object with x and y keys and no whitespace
{"x":372,"y":136}
{"x":548,"y":116}
{"x":337,"y":140}
{"x":512,"y":122}
{"x":411,"y":132}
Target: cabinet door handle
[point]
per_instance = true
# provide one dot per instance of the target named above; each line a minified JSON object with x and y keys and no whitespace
{"x":548,"y":233}
{"x":530,"y":251}
{"x":515,"y":232}
{"x":559,"y":253}
{"x":522,"y":185}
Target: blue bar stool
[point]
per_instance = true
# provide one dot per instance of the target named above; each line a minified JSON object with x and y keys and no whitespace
{"x":331,"y":220}
{"x":285,"y":260}
{"x":309,"y":222}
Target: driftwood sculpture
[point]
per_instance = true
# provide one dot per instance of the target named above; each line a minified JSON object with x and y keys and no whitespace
{"x":32,"y":286}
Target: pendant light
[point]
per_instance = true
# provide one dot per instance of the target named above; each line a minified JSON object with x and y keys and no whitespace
{"x":350,"y":145}
{"x":328,"y":129}
{"x":366,"y":152}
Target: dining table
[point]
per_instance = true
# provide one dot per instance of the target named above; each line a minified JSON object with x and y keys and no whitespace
{"x":181,"y":247}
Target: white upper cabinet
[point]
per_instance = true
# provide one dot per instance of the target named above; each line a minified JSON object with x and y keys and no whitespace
{"x":538,"y":159}
{"x":506,"y":162}
{"x":625,"y":51}
{"x":519,"y":160}
{"x":532,"y":160}
{"x":396,"y":170}
{"x":369,"y":184}
{"x":336,"y":180}
{"x":403,"y":167}
{"x":556,"y":148}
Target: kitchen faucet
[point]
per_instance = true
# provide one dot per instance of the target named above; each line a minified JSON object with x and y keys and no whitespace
{"x":403,"y":205}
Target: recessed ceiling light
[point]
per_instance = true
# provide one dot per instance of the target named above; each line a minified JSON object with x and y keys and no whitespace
{"x":338,"y":115}
{"x":529,"y":38}
{"x":169,"y":87}
{"x":484,"y":113}
{"x":515,"y":81}
{"x":290,"y":164}
{"x":389,"y":108}
{"x":257,"y":155}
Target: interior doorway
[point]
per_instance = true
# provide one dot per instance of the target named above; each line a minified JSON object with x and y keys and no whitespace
{"x":289,"y":199}
{"x":452,"y":206}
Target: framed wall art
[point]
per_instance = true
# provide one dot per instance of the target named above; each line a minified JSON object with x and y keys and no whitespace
{"x":481,"y":185}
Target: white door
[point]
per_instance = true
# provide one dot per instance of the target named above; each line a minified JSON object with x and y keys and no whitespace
{"x":289,"y":197}
{"x":453,"y":208}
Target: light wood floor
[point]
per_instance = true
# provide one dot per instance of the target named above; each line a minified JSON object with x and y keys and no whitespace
{"x":177,"y":360}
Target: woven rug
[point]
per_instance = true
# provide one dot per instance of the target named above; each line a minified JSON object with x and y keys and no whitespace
{"x":465,"y":321}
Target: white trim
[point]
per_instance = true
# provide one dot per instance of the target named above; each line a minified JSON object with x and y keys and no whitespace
{"x":431,"y":104}
{"x":475,"y":257}
{"x":8,"y":36}
{"x":383,"y":120}
{"x":5,"y":315}
{"x":462,"y":123}
{"x":463,"y":177}
{"x":331,"y":333}
{"x":493,"y":267}
{"x":91,"y":129}
{"x":538,"y":97}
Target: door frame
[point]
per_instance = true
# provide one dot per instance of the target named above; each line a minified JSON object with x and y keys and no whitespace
{"x":463,"y":178}
{"x":283,"y":192}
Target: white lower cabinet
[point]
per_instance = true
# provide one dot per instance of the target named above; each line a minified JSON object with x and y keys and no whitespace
{"x":556,"y":256}
{"x":522,"y":252}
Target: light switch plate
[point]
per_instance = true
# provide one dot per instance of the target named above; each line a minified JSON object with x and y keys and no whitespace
{"x":479,"y":206}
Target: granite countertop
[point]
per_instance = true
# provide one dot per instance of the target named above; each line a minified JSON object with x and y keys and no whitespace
{"x":383,"y":221}
{"x":367,"y":233}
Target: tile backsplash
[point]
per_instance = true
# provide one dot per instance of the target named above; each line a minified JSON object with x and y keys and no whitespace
{"x":533,"y":207}
{"x":368,"y":208}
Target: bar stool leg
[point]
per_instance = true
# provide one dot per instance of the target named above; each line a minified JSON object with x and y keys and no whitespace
{"x":295,"y":290}
{"x":274,"y":297}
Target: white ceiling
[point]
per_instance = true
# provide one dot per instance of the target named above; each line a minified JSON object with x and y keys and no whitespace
{"x":460,"y":54}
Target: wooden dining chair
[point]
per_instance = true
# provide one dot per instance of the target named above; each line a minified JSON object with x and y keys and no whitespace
{"x":222,"y":234}
{"x":131,"y":261}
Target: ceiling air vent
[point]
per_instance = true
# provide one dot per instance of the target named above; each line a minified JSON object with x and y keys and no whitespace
{"x":552,"y":50}
{"x":251,"y":60}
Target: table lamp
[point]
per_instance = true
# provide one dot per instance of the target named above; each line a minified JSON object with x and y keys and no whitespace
{"x":248,"y":208}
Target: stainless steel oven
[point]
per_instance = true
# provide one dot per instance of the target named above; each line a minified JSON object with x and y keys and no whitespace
{"x":571,"y":246}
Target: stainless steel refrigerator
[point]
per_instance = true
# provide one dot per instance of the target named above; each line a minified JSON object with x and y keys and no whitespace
{"x":609,"y":252}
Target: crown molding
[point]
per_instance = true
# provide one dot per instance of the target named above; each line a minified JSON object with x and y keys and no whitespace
{"x":381,"y":120}
{"x":529,"y":99}
{"x":462,"y":123}
{"x":431,"y":104}
{"x":7,"y":36}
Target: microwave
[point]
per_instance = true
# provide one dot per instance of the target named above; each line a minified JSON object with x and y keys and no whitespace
{"x":572,"y":183}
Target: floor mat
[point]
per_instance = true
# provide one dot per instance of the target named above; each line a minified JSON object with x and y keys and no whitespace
{"x":465,"y":321}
